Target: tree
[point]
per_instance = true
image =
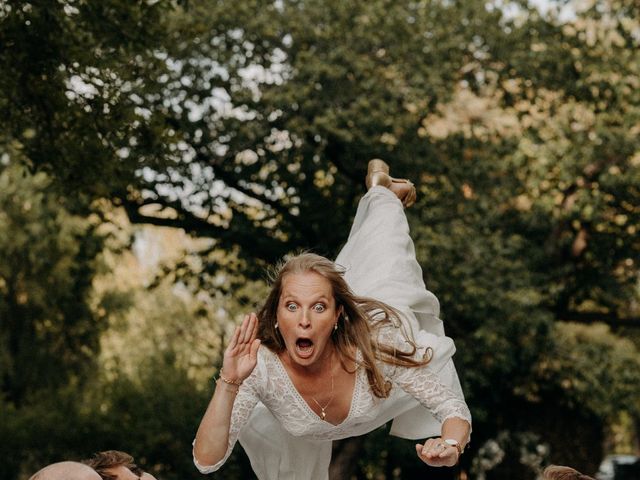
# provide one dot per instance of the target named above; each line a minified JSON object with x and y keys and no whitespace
{"x":71,"y":73}
{"x":237,"y":130}
{"x":48,"y":333}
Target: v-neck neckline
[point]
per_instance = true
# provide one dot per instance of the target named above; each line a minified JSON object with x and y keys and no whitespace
{"x":307,"y":407}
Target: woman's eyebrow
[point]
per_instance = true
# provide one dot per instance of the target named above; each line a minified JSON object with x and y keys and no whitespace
{"x":286,"y":297}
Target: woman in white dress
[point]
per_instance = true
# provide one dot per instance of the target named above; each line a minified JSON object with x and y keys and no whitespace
{"x":338,"y":350}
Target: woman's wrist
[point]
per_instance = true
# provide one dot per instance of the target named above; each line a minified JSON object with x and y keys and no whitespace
{"x":230,"y":381}
{"x":452,"y":442}
{"x":231,"y":385}
{"x":227,"y":387}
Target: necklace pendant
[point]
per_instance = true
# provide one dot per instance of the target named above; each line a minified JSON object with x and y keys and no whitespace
{"x":323,"y":414}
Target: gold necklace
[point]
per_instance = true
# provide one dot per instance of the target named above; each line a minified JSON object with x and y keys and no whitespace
{"x":323,"y":413}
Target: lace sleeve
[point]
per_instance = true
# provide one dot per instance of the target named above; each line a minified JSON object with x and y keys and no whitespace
{"x":426,"y":387}
{"x":425,"y":383}
{"x":243,"y":405}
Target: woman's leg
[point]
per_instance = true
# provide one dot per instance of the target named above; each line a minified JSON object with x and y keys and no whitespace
{"x":380,"y":261}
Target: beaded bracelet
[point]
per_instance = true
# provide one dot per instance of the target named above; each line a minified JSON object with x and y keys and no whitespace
{"x":230,"y":382}
{"x":235,"y":390}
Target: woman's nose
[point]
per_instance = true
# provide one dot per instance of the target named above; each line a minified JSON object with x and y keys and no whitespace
{"x":305,"y":322}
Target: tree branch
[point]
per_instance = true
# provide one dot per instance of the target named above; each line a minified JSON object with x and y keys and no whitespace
{"x":232,"y":182}
{"x":260,"y":243}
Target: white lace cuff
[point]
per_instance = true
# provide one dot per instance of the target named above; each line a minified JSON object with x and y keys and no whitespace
{"x":205,"y":468}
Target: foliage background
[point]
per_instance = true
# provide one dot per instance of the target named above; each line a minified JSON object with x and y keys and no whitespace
{"x":156,"y":156}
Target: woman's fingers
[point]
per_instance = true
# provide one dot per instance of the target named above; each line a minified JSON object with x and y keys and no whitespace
{"x":255,"y":345}
{"x":419,"y":452}
{"x":234,"y":339}
{"x":246,"y":322}
{"x":437,"y":453}
{"x":241,"y":355}
{"x":433,"y":448}
{"x":238,"y":335}
{"x":244,"y":335}
{"x":449,"y":452}
{"x":429,"y":447}
{"x":254,"y":333}
{"x":251,"y":331}
{"x":250,"y":325}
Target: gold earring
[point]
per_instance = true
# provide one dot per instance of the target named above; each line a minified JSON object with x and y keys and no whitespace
{"x":335,"y":326}
{"x":276,"y":325}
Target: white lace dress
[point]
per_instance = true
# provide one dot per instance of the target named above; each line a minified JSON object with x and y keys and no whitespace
{"x":282,"y":436}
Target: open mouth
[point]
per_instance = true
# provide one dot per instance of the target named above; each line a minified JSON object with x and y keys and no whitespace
{"x":304,"y":347}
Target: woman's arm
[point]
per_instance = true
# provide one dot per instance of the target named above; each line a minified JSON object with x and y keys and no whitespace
{"x":226,"y":414}
{"x":447,"y":406}
{"x":445,"y":403}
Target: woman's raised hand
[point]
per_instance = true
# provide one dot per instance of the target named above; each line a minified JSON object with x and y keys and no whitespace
{"x":241,"y":355}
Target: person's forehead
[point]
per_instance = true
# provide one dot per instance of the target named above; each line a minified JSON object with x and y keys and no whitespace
{"x":122,"y":473}
{"x":306,"y":282}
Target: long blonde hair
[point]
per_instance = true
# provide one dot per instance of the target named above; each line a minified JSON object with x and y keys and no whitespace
{"x":358,"y":322}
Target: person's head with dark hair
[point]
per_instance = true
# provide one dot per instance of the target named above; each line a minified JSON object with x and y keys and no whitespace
{"x":66,"y":471}
{"x":557,"y":472}
{"x":116,"y":465}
